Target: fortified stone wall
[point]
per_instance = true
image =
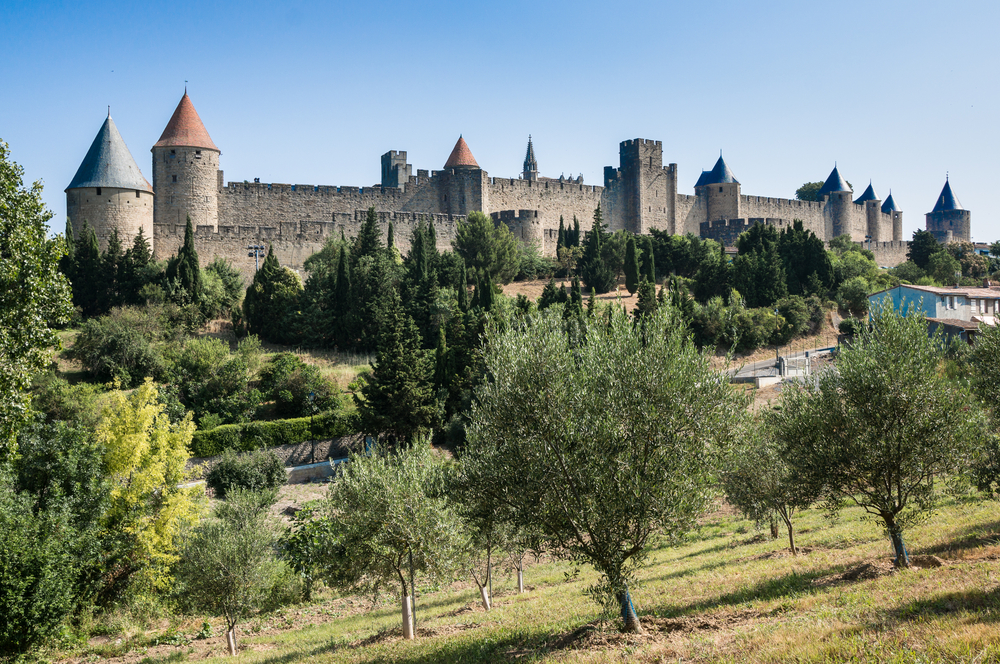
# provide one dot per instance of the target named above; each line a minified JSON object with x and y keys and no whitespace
{"x":810,"y":213}
{"x":186,"y":182}
{"x":888,"y":254}
{"x":550,"y":199}
{"x":294,"y":241}
{"x":127,"y":210}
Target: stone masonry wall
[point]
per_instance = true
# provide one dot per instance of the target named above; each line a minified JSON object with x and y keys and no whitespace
{"x":128,"y":210}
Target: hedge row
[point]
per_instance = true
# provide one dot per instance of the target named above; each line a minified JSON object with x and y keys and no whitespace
{"x":257,"y":435}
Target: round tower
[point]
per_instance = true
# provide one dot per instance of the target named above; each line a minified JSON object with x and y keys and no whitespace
{"x":109,"y":192}
{"x":838,"y":205}
{"x":186,"y":171}
{"x":949,"y":221}
{"x":721,"y":190}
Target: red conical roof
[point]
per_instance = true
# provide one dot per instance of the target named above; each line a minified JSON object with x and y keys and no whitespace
{"x":185,"y":129}
{"x":461,"y":156}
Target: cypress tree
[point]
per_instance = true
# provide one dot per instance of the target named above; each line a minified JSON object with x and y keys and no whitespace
{"x":595,"y":273}
{"x":111,"y":272}
{"x":486,"y":297}
{"x":133,"y":272}
{"x":369,"y":239}
{"x":342,"y":300}
{"x":475,"y":292}
{"x":561,"y":240}
{"x":186,"y":268}
{"x":576,"y":231}
{"x":432,"y":240}
{"x":390,"y":240}
{"x":67,"y":264}
{"x":631,"y":266}
{"x":442,"y":361}
{"x":647,"y":299}
{"x":591,"y":304}
{"x":648,"y":262}
{"x":86,"y":288}
{"x":463,"y":289}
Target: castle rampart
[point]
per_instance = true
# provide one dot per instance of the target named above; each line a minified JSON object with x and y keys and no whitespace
{"x":106,"y":209}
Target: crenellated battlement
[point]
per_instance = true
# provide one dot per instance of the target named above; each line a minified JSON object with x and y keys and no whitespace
{"x":544,"y":184}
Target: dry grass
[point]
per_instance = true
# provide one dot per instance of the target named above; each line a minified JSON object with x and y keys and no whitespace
{"x":725,"y":594}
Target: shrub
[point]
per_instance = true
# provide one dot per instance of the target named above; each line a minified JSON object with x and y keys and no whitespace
{"x":853,"y":295}
{"x":257,"y":471}
{"x":112,"y":349}
{"x":292,"y":396}
{"x":851,"y":326}
{"x":257,"y":435}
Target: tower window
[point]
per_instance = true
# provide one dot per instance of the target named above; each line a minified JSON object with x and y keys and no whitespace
{"x":175,"y":178}
{"x":173,"y":153}
{"x":98,"y":191}
{"x":137,"y":193}
{"x":197,"y":154}
{"x":720,"y":190}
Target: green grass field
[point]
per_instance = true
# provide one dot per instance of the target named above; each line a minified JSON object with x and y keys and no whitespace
{"x":727,"y":593}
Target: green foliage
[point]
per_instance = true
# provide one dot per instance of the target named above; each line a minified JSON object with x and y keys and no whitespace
{"x":112,"y":348}
{"x":552,"y":294}
{"x":305,"y":391}
{"x":185,"y":270}
{"x":389,"y":522}
{"x":222,"y":288}
{"x":262,"y":434}
{"x":908,"y":271}
{"x":853,"y":295}
{"x":34,"y":297}
{"x":648,"y":267}
{"x":487,"y":247}
{"x":259,"y":471}
{"x":631,"y":266}
{"x":227,"y":566}
{"x":369,"y":239}
{"x":599,"y":477}
{"x":302,"y":546}
{"x":595,"y":272}
{"x":273,"y":294}
{"x":943,"y":267}
{"x":973,"y":264}
{"x":851,"y":326}
{"x":58,"y":400}
{"x":713,"y":274}
{"x":531,"y":263}
{"x":809,"y":191}
{"x":885,"y":427}
{"x":213,"y":381}
{"x":758,"y":271}
{"x":808,"y":268}
{"x":922,"y":247}
{"x":984,"y":357}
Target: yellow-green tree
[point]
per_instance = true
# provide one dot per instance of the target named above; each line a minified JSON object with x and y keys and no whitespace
{"x":145,"y":457}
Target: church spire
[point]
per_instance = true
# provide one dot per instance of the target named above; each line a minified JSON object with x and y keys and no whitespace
{"x":530,"y":163}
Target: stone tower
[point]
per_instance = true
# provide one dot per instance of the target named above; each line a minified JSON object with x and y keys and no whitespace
{"x":721,"y":190}
{"x":109,"y":192}
{"x":890,"y":207}
{"x":873,"y":213}
{"x":642,"y":191}
{"x":463,"y":183}
{"x":530,"y":163}
{"x":186,"y":171}
{"x":948,"y":221}
{"x":838,"y":193}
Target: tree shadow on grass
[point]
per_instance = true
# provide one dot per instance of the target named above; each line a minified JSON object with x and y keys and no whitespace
{"x":983,"y":604}
{"x":971,"y":537}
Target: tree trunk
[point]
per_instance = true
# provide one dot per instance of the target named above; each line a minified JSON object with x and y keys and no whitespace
{"x":231,"y":640}
{"x":520,"y":580}
{"x":896,"y":536}
{"x":629,"y":618}
{"x":485,"y":596}
{"x":791,"y":533}
{"x":407,"y":618}
{"x":774,"y":527}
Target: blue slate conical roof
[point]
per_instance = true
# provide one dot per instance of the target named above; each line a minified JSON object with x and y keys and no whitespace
{"x":109,"y":163}
{"x":889,"y":205}
{"x":947,"y":200}
{"x":869,"y":195}
{"x":718,"y":175}
{"x":834,"y":183}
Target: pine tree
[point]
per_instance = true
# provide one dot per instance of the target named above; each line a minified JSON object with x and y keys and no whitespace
{"x":442,"y":361}
{"x":369,"y":239}
{"x":274,"y":292}
{"x":398,"y":398}
{"x":592,"y":304}
{"x":631,"y":266}
{"x":647,"y":299}
{"x":134,"y":264}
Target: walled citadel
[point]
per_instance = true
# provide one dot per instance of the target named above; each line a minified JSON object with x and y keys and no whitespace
{"x":639,"y":195}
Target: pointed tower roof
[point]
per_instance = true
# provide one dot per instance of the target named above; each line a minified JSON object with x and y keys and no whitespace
{"x":185,"y":129}
{"x":109,"y":163}
{"x":869,"y":194}
{"x":947,"y":200}
{"x":461,"y":156}
{"x":889,"y":205}
{"x":720,"y":174}
{"x":703,"y":179}
{"x":834,"y":183}
{"x":530,"y":163}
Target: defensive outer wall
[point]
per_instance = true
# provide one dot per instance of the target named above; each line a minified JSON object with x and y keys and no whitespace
{"x":639,"y":195}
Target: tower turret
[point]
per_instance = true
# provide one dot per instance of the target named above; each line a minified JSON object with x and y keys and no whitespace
{"x":186,"y":174}
{"x":948,"y":220}
{"x":722,"y":191}
{"x":109,"y":192}
{"x":890,"y":208}
{"x":530,"y":163}
{"x":838,"y":209}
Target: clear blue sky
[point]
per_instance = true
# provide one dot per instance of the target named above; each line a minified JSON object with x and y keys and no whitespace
{"x":314,"y":93}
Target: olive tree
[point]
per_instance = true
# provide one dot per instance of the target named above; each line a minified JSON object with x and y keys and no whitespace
{"x":227,"y":565}
{"x":884,"y":426}
{"x":390,"y":520}
{"x":759,"y":480}
{"x":604,"y":444}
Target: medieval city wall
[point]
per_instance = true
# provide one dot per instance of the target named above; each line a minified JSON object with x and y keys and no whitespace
{"x":691,"y":212}
{"x":888,"y":254}
{"x":811,"y":214}
{"x":549,"y":199}
{"x":126,"y":210}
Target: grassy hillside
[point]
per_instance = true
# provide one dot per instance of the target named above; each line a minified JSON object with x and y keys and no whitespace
{"x":725,"y":594}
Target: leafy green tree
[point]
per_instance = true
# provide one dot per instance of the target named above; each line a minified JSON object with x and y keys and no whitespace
{"x":908,"y":271}
{"x":274,"y":292}
{"x":631,"y":267}
{"x":757,"y":271}
{"x":853,"y":295}
{"x":943,"y":267}
{"x":596,"y":274}
{"x":561,"y":239}
{"x":994,"y":249}
{"x":883,"y":428}
{"x":922,"y":247}
{"x":227,"y":563}
{"x":397,"y":400}
{"x":713,"y":276}
{"x":804,"y":255}
{"x":34,"y":297}
{"x":985,"y":382}
{"x":389,"y":522}
{"x":552,"y":294}
{"x":809,"y":191}
{"x":487,"y":247}
{"x":759,"y":480}
{"x":600,"y":478}
{"x":646,"y":303}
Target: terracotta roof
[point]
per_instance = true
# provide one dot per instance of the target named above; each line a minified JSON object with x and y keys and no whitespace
{"x":971,"y":291}
{"x":109,"y":163}
{"x":185,"y":129}
{"x":956,"y":322}
{"x":461,"y":156}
